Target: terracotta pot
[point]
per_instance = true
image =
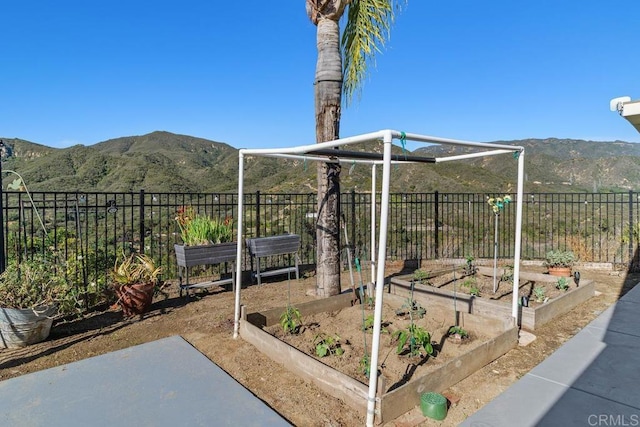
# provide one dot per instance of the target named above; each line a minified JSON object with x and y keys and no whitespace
{"x":136,"y":298}
{"x":560,"y":271}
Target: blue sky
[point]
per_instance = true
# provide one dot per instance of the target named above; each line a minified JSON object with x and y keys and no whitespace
{"x":78,"y":72}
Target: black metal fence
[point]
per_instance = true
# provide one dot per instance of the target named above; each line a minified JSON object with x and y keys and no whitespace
{"x":89,"y":230}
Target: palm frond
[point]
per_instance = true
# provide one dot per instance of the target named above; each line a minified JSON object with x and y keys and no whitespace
{"x":365,"y":34}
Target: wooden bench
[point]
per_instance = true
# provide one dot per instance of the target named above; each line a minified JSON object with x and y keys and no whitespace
{"x":285,"y":244}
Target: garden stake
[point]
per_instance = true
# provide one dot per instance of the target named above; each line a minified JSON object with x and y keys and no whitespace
{"x":364,"y":331}
{"x":346,"y":239}
{"x":497,"y":205}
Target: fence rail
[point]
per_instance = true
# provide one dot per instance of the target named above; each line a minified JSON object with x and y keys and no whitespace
{"x":89,"y":230}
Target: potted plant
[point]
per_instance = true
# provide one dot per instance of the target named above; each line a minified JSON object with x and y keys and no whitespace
{"x":32,"y":292}
{"x":559,"y":262}
{"x":134,"y":280}
{"x":206,"y":241}
{"x":197,"y":229}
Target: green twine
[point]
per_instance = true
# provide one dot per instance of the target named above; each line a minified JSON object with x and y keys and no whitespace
{"x":403,"y":142}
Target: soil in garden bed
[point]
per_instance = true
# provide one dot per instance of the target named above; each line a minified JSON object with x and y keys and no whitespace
{"x":397,"y":369}
{"x":537,"y":291}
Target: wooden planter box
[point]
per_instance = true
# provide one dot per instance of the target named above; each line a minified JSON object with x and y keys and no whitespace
{"x":189,"y":256}
{"x":529,"y":318}
{"x":389,"y":405}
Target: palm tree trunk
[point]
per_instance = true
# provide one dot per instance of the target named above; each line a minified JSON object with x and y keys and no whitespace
{"x":328,"y":92}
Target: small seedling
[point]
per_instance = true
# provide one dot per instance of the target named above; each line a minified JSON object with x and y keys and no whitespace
{"x":507,"y":274}
{"x":327,"y":345}
{"x":368,"y":324}
{"x":370,"y":302}
{"x":421,"y":276}
{"x":539,"y":293}
{"x":412,"y":308}
{"x":563,"y":284}
{"x":458,"y":331}
{"x":365,"y":365}
{"x":471,"y":285}
{"x":469,"y":268}
{"x":290,"y":320}
{"x":414,"y":338}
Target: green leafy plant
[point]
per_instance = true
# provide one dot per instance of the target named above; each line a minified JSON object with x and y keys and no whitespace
{"x":559,"y":258}
{"x":196,"y":229}
{"x":368,"y":322}
{"x":413,"y":340}
{"x":469,"y":267}
{"x":539,"y":293}
{"x":470,"y":284}
{"x":459,"y":332}
{"x":562,"y":284}
{"x":290,"y":320}
{"x":327,"y":345}
{"x":411,"y":308}
{"x":507,"y":274}
{"x":365,"y":365}
{"x":35,"y":283}
{"x":421,"y":276}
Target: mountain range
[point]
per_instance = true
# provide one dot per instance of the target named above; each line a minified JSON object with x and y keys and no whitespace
{"x":166,"y":162}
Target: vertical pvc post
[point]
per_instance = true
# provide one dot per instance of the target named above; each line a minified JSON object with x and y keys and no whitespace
{"x":518,"y":238}
{"x":238,"y":283}
{"x":373,"y":229}
{"x":382,"y":246}
{"x":495,"y":252}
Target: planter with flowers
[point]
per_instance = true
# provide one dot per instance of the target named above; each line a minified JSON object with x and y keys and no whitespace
{"x":206,"y":241}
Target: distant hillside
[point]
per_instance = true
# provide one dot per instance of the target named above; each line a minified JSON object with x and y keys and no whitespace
{"x":166,"y":162}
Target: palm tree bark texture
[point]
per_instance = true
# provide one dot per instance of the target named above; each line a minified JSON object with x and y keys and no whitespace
{"x":366,"y":29}
{"x":328,"y":92}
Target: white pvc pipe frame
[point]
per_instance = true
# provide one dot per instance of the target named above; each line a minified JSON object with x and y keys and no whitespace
{"x":378,"y":268}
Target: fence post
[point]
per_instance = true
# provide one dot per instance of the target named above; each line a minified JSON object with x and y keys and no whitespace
{"x":3,"y":261}
{"x":632,"y":259}
{"x":257,"y":213}
{"x":141,"y":207}
{"x":436,"y":222}
{"x":352,"y":240}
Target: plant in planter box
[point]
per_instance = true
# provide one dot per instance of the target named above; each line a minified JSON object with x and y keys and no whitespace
{"x":32,"y":292}
{"x":458,"y":333}
{"x":562,"y":284}
{"x":540,"y":294}
{"x":206,"y":241}
{"x":412,"y":340}
{"x":197,"y":229}
{"x":290,"y":320}
{"x":559,"y":262}
{"x":327,"y":345}
{"x":135,"y":279}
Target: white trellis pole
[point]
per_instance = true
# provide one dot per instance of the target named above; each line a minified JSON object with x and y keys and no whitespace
{"x":495,"y":254}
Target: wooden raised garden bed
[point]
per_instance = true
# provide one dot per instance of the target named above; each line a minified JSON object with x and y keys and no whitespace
{"x":499,"y":305}
{"x":491,"y":338}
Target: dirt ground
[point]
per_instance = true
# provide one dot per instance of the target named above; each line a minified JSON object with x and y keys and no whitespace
{"x":345,"y":327}
{"x":206,"y":321}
